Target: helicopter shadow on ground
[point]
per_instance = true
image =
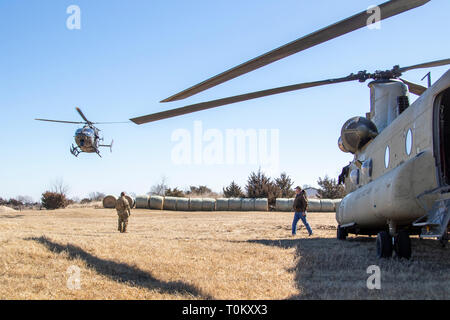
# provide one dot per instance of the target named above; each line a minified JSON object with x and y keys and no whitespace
{"x":327,"y":268}
{"x":121,"y":272}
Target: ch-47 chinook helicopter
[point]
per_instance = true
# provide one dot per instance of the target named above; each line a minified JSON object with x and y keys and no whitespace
{"x":398,"y":182}
{"x":87,"y":138}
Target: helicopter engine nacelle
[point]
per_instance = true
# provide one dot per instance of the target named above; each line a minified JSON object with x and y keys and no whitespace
{"x":356,"y":133}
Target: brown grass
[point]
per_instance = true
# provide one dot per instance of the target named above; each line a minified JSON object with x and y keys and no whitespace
{"x":203,"y":255}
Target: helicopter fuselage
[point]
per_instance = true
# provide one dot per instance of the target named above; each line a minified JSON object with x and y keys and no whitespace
{"x":87,"y":138}
{"x":395,"y":178}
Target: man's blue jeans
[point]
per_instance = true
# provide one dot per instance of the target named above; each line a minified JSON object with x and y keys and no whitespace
{"x":300,"y":216}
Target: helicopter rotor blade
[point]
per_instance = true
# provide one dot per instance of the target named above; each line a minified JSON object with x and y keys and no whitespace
{"x":82,"y":115}
{"x":387,"y":10}
{"x":114,"y":122}
{"x":239,"y":98}
{"x":430,"y":64}
{"x":414,"y":87}
{"x":61,"y":121}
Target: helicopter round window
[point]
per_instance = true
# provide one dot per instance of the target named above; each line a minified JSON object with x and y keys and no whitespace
{"x":386,"y":157}
{"x":409,"y":142}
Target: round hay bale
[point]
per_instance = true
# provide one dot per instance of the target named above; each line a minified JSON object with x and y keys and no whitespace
{"x":222,"y":204}
{"x":142,"y":201}
{"x":283,"y":204}
{"x":262,"y":204}
{"x":208,"y":204}
{"x":130,"y":201}
{"x":248,"y":204}
{"x":235,"y":204}
{"x":327,"y":205}
{"x":109,"y":202}
{"x":195,"y":204}
{"x":170,"y":203}
{"x":182,"y":204}
{"x":156,"y":202}
{"x":314,"y":205}
{"x":337,"y":203}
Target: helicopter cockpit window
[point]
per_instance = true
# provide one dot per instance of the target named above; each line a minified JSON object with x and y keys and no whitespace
{"x":354,"y":176}
{"x":88,"y":132}
{"x":78,"y":131}
{"x":366,"y":168}
{"x":386,"y":157}
{"x":409,"y":142}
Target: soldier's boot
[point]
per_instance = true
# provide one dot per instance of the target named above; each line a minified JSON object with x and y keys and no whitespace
{"x":125,"y":226}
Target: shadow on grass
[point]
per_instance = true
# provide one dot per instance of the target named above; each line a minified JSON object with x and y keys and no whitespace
{"x":12,"y":216}
{"x":122,"y":272}
{"x":328,"y":268}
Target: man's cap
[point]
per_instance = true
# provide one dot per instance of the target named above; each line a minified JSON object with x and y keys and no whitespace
{"x":298,"y":188}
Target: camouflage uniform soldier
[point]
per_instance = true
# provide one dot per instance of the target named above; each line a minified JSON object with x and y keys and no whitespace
{"x":123,"y":211}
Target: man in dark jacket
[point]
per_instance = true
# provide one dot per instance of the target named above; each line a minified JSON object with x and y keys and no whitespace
{"x":300,"y":206}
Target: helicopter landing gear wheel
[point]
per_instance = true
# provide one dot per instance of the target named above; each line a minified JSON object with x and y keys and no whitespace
{"x":384,"y":245}
{"x":402,"y":245}
{"x":341,"y":233}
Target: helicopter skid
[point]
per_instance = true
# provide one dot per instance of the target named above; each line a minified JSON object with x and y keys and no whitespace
{"x":75,"y":151}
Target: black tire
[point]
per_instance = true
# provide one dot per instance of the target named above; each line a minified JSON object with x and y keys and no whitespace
{"x":402,"y":245}
{"x":384,"y":245}
{"x":341,"y":233}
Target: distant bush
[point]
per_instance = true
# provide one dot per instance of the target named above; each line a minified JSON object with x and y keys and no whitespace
{"x":175,"y":192}
{"x":85,"y":201}
{"x":330,"y":189}
{"x":261,"y":186}
{"x":53,"y":200}
{"x":233,"y":191}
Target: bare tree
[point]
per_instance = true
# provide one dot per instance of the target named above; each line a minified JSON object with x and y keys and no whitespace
{"x":59,"y":186}
{"x":159,"y":188}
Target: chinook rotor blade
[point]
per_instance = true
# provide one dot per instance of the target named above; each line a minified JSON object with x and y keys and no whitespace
{"x":61,"y":121}
{"x":414,"y":87}
{"x":239,"y":98}
{"x":82,"y":115}
{"x":387,"y":9}
{"x":431,"y":64}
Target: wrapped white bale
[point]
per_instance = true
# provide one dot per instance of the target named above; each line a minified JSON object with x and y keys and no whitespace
{"x":109,"y":202}
{"x":314,"y":205}
{"x":130,"y":201}
{"x":327,"y":205}
{"x":235,"y":204}
{"x":222,"y":204}
{"x":195,"y":204}
{"x":142,"y":202}
{"x":337,"y":203}
{"x":170,"y":203}
{"x":262,"y":204}
{"x":156,"y":202}
{"x":208,"y":204}
{"x":248,"y":204}
{"x":282,"y":204}
{"x":182,"y":204}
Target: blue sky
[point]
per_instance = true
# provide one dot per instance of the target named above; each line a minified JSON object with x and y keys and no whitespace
{"x":129,"y":55}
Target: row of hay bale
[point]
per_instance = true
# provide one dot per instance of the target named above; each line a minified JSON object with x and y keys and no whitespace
{"x":110,"y":201}
{"x":193,"y":204}
{"x":314,"y":205}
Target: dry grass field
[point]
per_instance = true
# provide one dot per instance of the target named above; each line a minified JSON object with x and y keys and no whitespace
{"x":203,"y":255}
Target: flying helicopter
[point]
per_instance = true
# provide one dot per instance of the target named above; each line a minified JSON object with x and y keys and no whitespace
{"x":87,"y":138}
{"x":398,"y":183}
